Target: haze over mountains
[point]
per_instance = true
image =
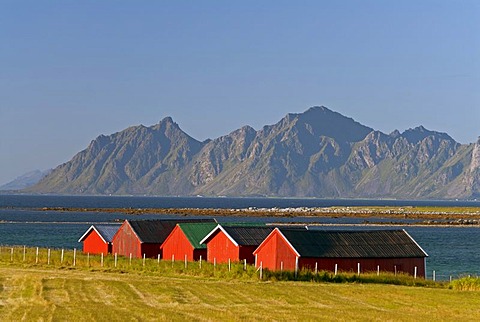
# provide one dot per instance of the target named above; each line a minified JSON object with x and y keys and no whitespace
{"x":318,"y":153}
{"x":26,"y":180}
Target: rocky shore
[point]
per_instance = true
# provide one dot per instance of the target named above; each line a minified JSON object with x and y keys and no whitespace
{"x":422,"y":216}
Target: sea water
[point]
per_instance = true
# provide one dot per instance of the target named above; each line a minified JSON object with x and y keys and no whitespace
{"x":452,"y":250}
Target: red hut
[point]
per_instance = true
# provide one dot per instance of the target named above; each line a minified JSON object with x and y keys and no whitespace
{"x":234,"y":243}
{"x":385,"y":250}
{"x":184,"y":241}
{"x":98,"y":239}
{"x":144,"y":237}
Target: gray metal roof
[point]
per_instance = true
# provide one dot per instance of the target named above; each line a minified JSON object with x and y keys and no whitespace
{"x":106,"y":232}
{"x":353,"y":244}
{"x":248,"y":235}
{"x":156,"y":231}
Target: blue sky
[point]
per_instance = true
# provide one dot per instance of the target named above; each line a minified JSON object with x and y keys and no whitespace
{"x":72,"y":70}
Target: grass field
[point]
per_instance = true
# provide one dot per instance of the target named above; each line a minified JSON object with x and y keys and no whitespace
{"x":42,"y":294}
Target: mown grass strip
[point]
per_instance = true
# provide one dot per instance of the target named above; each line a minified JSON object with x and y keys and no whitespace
{"x":37,"y":293}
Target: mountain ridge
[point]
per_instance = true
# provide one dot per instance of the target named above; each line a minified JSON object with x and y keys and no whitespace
{"x":25,"y":180}
{"x":317,"y":153}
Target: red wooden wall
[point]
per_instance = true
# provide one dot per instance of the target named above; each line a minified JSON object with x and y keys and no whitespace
{"x":178,"y":245}
{"x":246,"y":252}
{"x":275,"y":251}
{"x":94,"y":244}
{"x":125,"y":242}
{"x":150,"y":250}
{"x":200,"y":252}
{"x":221,"y":248}
{"x":405,"y":265}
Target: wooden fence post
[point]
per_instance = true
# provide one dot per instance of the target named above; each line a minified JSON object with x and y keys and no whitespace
{"x":101,"y":259}
{"x":48,"y":257}
{"x":358,"y":268}
{"x":296,"y":266}
{"x":36,"y":256}
{"x":200,"y":263}
{"x":61,"y":257}
{"x":74,"y":256}
{"x":415,"y":273}
{"x":244,"y":264}
{"x":336,"y":269}
{"x":316,"y":268}
{"x":11,"y":255}
{"x":143,"y":259}
{"x":24,"y":251}
{"x":229,"y":266}
{"x":378,"y":270}
{"x":130,"y":259}
{"x":115,"y":259}
{"x":185,"y":261}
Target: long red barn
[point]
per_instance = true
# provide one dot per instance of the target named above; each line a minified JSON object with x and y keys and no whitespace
{"x":387,"y":250}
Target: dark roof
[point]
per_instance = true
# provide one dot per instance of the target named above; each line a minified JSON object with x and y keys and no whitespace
{"x":105,"y":231}
{"x":195,"y":232}
{"x":353,"y":244}
{"x":243,"y":224}
{"x":248,"y":235}
{"x":156,"y":231}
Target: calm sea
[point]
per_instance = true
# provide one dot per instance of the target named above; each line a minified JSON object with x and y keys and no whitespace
{"x":452,"y":250}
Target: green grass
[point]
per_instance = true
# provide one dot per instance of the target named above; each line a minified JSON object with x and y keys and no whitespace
{"x":466,"y":284}
{"x":27,"y":258}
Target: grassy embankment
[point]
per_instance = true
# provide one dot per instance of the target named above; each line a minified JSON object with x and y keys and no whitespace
{"x":38,"y":290}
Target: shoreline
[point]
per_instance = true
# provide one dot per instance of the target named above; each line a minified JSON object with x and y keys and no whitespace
{"x":425,"y":216}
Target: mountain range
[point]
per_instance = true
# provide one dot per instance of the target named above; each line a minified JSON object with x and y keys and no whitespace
{"x":317,"y":153}
{"x":26,"y":180}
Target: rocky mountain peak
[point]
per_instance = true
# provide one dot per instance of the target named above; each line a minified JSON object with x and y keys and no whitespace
{"x":317,"y":122}
{"x":419,"y":133}
{"x":167,"y":119}
{"x":321,"y":121}
{"x":166,"y":123}
{"x":395,"y":134}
